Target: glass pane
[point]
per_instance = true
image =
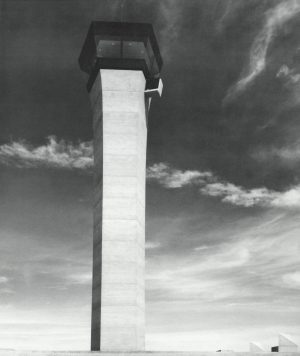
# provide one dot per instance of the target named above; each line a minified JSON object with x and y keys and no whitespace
{"x":154,"y":68}
{"x":150,"y":51}
{"x":133,"y":49}
{"x":109,"y":49}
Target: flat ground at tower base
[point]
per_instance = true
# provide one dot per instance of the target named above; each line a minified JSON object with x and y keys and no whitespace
{"x":146,"y":353}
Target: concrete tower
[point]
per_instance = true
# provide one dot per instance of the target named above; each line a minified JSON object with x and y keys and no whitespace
{"x":123,"y":63}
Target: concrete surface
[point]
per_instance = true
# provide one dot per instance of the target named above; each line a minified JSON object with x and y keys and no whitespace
{"x":120,"y":139}
{"x":256,"y":347}
{"x":286,"y":344}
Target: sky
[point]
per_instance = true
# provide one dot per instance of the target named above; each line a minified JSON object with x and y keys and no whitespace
{"x":223,"y":176}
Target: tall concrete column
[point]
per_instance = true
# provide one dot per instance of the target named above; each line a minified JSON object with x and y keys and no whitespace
{"x":120,"y":136}
{"x":123,"y":62}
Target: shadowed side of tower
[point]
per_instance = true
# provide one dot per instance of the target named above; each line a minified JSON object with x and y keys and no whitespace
{"x":122,"y":61}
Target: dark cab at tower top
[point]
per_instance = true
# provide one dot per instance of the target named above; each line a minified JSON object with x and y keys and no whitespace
{"x":120,"y":45}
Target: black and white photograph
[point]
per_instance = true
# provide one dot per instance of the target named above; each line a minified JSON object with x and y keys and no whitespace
{"x":149,"y":177}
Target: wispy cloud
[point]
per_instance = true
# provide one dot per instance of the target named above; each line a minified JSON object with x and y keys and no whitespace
{"x":81,"y":278}
{"x":55,"y":154}
{"x":292,"y":280}
{"x":171,"y":12}
{"x":286,"y":156}
{"x":64,"y":155}
{"x":229,"y":193}
{"x":290,"y":78}
{"x":3,"y":279}
{"x":288,"y":74}
{"x":250,"y":271}
{"x":274,"y":18}
{"x":236,"y":195}
{"x":255,"y":261}
{"x":151,"y":245}
{"x":250,"y":197}
{"x":175,"y":178}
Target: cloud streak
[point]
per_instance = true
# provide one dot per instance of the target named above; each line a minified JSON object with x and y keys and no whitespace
{"x":211,"y":185}
{"x":256,"y":260}
{"x":3,"y":279}
{"x":254,"y":269}
{"x":63,"y":155}
{"x":290,"y":75}
{"x":274,"y":18}
{"x":55,"y":154}
{"x":175,"y":178}
{"x":151,"y":245}
{"x":287,"y":156}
